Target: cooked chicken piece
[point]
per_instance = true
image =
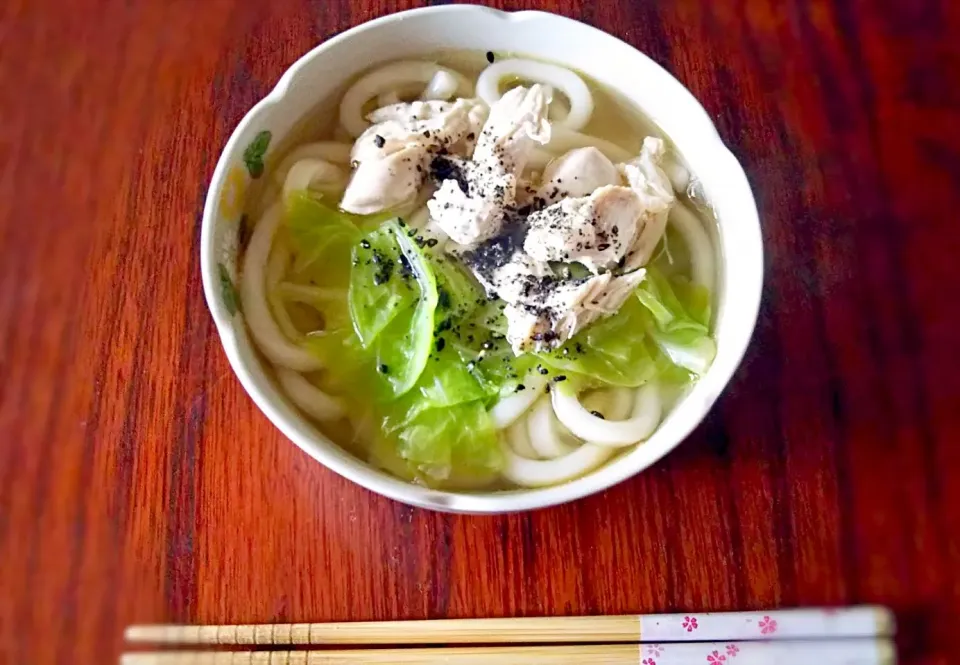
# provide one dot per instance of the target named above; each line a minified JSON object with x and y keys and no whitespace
{"x":473,"y":196}
{"x":576,"y":306}
{"x":544,"y":310}
{"x":476,"y":117}
{"x":650,"y":182}
{"x":577,"y":173}
{"x":517,"y":280}
{"x":517,"y":122}
{"x":595,"y":230}
{"x":568,"y":308}
{"x":391,"y":156}
{"x":614,"y":225}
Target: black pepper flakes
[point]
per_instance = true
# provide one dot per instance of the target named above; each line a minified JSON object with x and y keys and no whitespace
{"x":441,"y":342}
{"x":561,"y":377}
{"x":379,"y":141}
{"x":598,"y":415}
{"x":521,"y":387}
{"x":543,"y":370}
{"x":383,"y":369}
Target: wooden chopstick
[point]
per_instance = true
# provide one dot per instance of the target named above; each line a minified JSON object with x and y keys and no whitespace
{"x":813,"y":623}
{"x":832,"y":652}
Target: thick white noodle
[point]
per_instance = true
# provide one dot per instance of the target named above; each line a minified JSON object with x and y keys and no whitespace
{"x":519,"y":440}
{"x":540,"y":473}
{"x":388,"y":98}
{"x":314,"y":173}
{"x":443,"y":85}
{"x":329,"y":151}
{"x":577,"y":92}
{"x":316,"y":296}
{"x":253,"y":296}
{"x":558,"y":109}
{"x":612,"y":403}
{"x":602,"y":432}
{"x":389,"y":77}
{"x":543,"y":434}
{"x":311,"y":400}
{"x":621,"y":403}
{"x":508,"y":409}
{"x":676,"y":172}
{"x":702,"y":261}
{"x":277,"y":265}
{"x":563,"y":140}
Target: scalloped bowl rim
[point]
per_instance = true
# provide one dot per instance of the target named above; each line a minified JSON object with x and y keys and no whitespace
{"x":678,"y":424}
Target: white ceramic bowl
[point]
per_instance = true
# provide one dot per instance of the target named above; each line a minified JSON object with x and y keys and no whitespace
{"x":553,"y":38}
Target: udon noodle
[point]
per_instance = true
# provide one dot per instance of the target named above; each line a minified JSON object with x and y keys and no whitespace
{"x":548,"y":429}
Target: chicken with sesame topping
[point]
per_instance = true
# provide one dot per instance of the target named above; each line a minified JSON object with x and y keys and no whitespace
{"x":470,"y":207}
{"x":391,"y":157}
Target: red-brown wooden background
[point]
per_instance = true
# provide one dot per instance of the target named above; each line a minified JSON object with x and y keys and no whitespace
{"x":139,"y":483}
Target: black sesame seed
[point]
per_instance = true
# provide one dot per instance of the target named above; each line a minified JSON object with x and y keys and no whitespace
{"x":521,"y":387}
{"x":432,"y":242}
{"x":487,"y":345}
{"x":490,"y":57}
{"x":560,"y":378}
{"x":383,"y":369}
{"x":598,"y":415}
{"x":379,"y":141}
{"x":543,"y":370}
{"x":441,"y":342}
{"x":365,"y":244}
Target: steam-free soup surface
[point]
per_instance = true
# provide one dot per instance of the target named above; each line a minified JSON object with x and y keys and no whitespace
{"x":476,"y":270}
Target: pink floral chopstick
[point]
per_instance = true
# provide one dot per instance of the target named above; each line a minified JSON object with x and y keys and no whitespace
{"x":824,"y":652}
{"x":810,"y":623}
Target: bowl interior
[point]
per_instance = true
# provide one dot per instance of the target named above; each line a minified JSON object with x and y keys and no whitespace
{"x":599,"y":55}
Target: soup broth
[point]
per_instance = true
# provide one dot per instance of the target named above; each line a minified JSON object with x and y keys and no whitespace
{"x":410,"y":348}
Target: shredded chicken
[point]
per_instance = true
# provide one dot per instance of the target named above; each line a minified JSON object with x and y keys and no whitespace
{"x":572,"y":306}
{"x":578,"y":305}
{"x":595,"y":230}
{"x":613,"y":225}
{"x":648,"y":179}
{"x":391,"y":156}
{"x":586,"y":210}
{"x":470,"y":205}
{"x":544,"y":310}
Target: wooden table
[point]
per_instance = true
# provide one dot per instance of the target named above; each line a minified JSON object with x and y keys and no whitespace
{"x":139,"y":483}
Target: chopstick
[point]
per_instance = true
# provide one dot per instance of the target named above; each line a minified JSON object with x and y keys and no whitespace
{"x":831,"y":652}
{"x":808,"y":623}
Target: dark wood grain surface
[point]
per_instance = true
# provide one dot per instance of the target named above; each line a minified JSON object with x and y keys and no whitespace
{"x":139,"y":483}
